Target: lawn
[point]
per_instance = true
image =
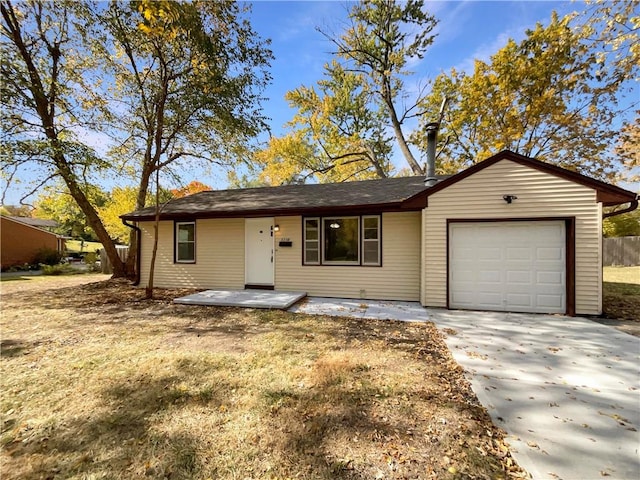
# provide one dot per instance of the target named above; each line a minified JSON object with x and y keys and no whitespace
{"x":76,"y":246}
{"x":98,"y":383}
{"x":621,"y":293}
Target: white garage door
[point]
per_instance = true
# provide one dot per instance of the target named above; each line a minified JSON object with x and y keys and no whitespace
{"x":508,"y":266}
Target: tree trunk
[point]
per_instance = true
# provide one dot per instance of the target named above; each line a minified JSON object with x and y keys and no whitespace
{"x":92,"y":216}
{"x":141,"y":202}
{"x":149,"y":288}
{"x":397,"y":129}
{"x":45,"y":103}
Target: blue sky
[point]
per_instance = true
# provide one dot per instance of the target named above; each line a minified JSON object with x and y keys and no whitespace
{"x":467,"y":30}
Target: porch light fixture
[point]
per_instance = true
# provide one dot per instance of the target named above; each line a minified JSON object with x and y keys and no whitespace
{"x":509,"y":198}
{"x":334,"y":225}
{"x":276,"y":228}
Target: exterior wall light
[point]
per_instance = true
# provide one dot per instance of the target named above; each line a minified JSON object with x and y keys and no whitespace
{"x":276,"y":228}
{"x":509,"y":198}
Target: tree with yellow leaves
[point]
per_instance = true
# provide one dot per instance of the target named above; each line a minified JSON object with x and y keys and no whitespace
{"x":556,"y":95}
{"x":346,"y":126}
{"x":171,"y":82}
{"x":333,"y":137}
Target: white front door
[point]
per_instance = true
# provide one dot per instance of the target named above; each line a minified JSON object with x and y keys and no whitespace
{"x":508,"y":266}
{"x":259,"y":251}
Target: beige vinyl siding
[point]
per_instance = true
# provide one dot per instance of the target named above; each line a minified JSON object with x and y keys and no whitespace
{"x":539,"y":195}
{"x":397,"y":279}
{"x":219,"y":255}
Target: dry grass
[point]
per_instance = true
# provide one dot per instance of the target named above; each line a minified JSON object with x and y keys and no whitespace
{"x":621,"y":293}
{"x":98,"y":383}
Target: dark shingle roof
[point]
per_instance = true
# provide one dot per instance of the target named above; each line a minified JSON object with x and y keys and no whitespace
{"x":36,"y":222}
{"x":385,"y":193}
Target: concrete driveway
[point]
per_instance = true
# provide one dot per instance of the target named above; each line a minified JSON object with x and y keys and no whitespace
{"x":566,"y":390}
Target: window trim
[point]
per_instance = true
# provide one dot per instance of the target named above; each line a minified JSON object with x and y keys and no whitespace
{"x":378,"y":240}
{"x":176,"y":242}
{"x":321,"y":260}
{"x":304,"y":241}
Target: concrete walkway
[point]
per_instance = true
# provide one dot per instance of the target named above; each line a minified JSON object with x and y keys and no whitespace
{"x":566,"y":390}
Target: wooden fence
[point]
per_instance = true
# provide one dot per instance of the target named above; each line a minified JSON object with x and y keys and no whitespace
{"x":623,"y":251}
{"x":123,"y":252}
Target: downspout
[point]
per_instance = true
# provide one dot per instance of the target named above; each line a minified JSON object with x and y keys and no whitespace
{"x":632,"y":206}
{"x":136,"y":279}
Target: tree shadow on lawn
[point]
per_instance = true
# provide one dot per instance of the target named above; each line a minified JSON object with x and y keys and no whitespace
{"x":119,"y":438}
{"x":347,"y":426}
{"x":15,"y":348}
{"x":312,"y":426}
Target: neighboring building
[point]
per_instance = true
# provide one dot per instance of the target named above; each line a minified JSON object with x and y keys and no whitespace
{"x":42,"y":223}
{"x":21,"y":240}
{"x":510,"y":233}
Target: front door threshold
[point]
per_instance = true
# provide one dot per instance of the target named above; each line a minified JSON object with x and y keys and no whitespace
{"x":253,"y":286}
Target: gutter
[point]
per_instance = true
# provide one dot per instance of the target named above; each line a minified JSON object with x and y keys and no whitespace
{"x":136,"y":279}
{"x":632,"y":206}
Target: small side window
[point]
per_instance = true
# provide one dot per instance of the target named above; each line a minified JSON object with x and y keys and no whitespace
{"x":185,"y":242}
{"x":312,"y":241}
{"x":371,"y":240}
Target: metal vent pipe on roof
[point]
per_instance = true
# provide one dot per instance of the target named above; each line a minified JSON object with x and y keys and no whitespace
{"x":432,"y":138}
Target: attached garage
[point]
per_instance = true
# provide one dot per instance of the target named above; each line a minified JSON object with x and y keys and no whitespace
{"x":515,"y":234}
{"x":508,"y":266}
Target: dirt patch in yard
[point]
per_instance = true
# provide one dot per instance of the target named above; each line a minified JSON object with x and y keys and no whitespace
{"x":98,"y":382}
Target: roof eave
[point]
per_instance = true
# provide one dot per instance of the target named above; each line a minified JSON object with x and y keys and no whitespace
{"x":279,"y":212}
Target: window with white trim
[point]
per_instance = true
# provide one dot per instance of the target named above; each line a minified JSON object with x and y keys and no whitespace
{"x":371,"y":240}
{"x":336,"y":240}
{"x":185,"y":242}
{"x":311,"y":241}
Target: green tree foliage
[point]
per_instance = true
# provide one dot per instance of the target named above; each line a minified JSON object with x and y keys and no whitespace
{"x":187,"y":79}
{"x":44,"y":85}
{"x":554,"y":96}
{"x":340,"y":129}
{"x":334,"y":135}
{"x":383,"y":37}
{"x":189,"y":76}
{"x":56,"y":203}
{"x":627,"y":224}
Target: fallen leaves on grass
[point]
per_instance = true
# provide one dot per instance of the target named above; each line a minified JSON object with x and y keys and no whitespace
{"x":100,"y":382}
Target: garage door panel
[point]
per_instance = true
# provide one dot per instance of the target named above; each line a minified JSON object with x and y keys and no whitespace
{"x":488,"y":253}
{"x":554,"y":279}
{"x":519,"y":276}
{"x":490,"y":276}
{"x":464,"y":253}
{"x":522,"y":300}
{"x":518,"y":254}
{"x":550,"y":301}
{"x":549,"y":253}
{"x":464,"y":298}
{"x":488,"y":300}
{"x":510,"y":266}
